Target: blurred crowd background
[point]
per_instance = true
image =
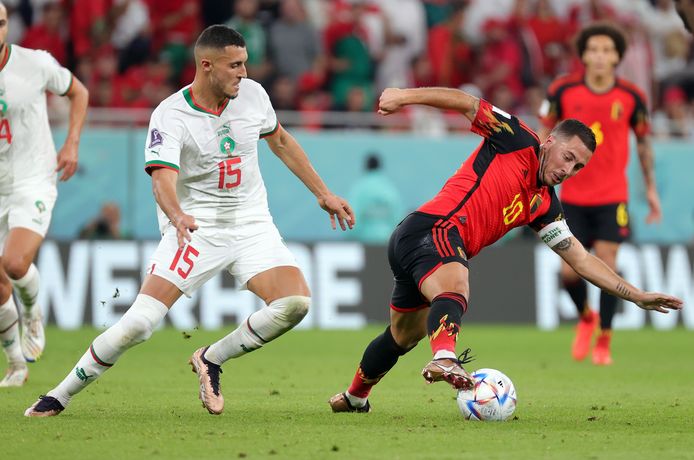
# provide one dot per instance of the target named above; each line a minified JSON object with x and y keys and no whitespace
{"x":326,"y":61}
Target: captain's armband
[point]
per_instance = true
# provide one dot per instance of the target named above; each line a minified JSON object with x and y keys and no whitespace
{"x":555,"y":233}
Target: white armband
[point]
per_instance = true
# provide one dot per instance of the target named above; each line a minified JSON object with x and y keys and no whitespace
{"x":555,"y":233}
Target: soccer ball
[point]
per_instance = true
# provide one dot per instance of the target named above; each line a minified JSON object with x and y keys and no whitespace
{"x":493,"y":398}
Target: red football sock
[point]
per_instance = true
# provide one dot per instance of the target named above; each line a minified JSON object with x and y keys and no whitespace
{"x":361,"y":386}
{"x":444,"y":321}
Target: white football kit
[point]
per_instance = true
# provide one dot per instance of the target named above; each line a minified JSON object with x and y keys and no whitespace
{"x":219,"y":184}
{"x":27,"y":152}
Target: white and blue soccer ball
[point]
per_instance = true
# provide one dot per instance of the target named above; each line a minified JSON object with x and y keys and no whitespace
{"x":493,"y":397}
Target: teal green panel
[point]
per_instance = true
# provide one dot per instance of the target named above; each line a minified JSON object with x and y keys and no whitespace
{"x":111,"y":169}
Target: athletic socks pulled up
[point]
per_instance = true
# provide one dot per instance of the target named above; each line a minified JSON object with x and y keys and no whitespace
{"x":443,"y":323}
{"x":9,"y":333}
{"x":133,"y":328}
{"x":28,"y":289}
{"x":379,"y":357}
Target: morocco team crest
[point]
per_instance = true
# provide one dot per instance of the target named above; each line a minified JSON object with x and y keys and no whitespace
{"x":227,"y":145}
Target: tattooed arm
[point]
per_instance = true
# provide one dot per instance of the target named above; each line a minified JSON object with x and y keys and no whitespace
{"x":598,"y":273}
{"x":394,"y":99}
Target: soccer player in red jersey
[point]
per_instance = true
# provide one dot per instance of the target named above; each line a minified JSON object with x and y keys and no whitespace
{"x":595,"y":203}
{"x":508,"y":181}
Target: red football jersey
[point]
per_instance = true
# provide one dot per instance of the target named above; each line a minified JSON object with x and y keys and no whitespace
{"x":497,"y":188}
{"x":610,"y":115}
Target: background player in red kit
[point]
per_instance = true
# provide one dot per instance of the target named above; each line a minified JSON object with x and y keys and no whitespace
{"x":507,"y":182}
{"x":595,"y":202}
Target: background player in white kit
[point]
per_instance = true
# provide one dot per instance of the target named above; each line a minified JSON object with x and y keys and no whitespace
{"x":202,"y":154}
{"x":28,"y":172}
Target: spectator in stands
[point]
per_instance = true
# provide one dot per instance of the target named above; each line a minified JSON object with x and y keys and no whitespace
{"x":350,"y":62}
{"x":49,"y":33}
{"x":449,"y":53}
{"x":675,"y":119}
{"x":131,"y":33}
{"x":16,"y":22}
{"x":437,"y":11}
{"x":685,"y":9}
{"x":283,"y":93}
{"x":585,"y":12}
{"x":88,"y":26}
{"x":175,"y":25}
{"x":105,"y":226}
{"x":668,"y":39}
{"x":104,"y":79}
{"x":551,"y":34}
{"x":637,"y":63}
{"x":405,"y":38}
{"x":245,"y":21}
{"x":377,"y":204}
{"x":295,"y":46}
{"x":501,"y":61}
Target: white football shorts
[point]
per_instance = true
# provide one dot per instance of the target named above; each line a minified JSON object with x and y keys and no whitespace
{"x":244,"y":250}
{"x":29,"y":208}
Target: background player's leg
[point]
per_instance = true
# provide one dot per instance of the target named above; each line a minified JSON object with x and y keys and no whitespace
{"x":577,"y":289}
{"x":19,"y":253}
{"x":134,"y":327}
{"x":17,"y":370}
{"x":607,"y":252}
{"x":287,"y":296}
{"x":587,"y":318}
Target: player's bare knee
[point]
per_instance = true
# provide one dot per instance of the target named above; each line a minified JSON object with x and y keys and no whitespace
{"x":295,"y":308}
{"x":15,"y":267}
{"x":5,"y":290}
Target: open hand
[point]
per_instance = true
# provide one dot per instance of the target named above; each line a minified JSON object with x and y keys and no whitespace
{"x":339,"y":209}
{"x":185,"y":225}
{"x":67,"y":161}
{"x":659,"y":302}
{"x":655,"y":214}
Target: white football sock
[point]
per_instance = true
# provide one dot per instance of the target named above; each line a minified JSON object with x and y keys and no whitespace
{"x":261,"y":327}
{"x":28,"y":289}
{"x":445,"y":354}
{"x":133,"y":328}
{"x":9,"y":333}
{"x":355,"y":401}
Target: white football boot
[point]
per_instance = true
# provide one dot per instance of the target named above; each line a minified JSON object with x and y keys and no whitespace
{"x":15,"y":376}
{"x":33,"y":336}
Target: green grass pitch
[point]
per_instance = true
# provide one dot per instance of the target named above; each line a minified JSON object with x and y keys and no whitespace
{"x":276,"y":401}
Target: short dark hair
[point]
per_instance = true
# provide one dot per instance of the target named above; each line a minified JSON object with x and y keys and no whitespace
{"x":373,"y":162}
{"x":219,"y":36}
{"x":601,"y":28}
{"x":571,"y":127}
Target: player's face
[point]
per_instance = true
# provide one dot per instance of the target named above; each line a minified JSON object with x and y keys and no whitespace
{"x":3,"y":25}
{"x":562,"y":159}
{"x":601,"y":56}
{"x":228,"y":68}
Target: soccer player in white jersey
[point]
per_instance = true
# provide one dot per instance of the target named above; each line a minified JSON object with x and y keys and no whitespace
{"x":201,"y":152}
{"x":28,"y":171}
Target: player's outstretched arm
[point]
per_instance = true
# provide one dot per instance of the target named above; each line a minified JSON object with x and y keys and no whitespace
{"x":644,"y":148}
{"x":164,"y":189}
{"x":394,"y":99}
{"x":290,"y":152}
{"x":598,"y":273}
{"x":67,"y":156}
